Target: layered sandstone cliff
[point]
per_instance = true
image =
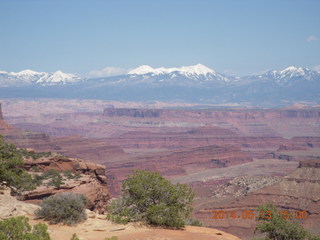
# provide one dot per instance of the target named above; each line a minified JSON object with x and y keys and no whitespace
{"x":90,"y":181}
{"x":299,"y":191}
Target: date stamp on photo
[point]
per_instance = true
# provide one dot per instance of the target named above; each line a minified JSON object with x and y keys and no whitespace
{"x":250,"y":214}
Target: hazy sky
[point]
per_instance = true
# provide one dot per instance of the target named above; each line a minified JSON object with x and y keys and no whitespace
{"x":233,"y":37}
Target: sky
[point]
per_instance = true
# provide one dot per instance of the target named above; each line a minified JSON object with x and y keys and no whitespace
{"x":108,"y":37}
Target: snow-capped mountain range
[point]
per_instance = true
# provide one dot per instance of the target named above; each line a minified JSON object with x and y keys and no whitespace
{"x":290,"y":74}
{"x":196,"y":69}
{"x":198,"y":73}
{"x":29,"y":77}
{"x":195,"y":72}
{"x":196,"y":83}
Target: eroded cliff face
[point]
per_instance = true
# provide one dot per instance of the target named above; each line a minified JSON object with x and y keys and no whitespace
{"x":175,"y":163}
{"x":251,"y":122}
{"x":212,"y":113}
{"x":131,"y":112}
{"x":299,"y":191}
{"x":90,"y":181}
{"x":1,"y":116}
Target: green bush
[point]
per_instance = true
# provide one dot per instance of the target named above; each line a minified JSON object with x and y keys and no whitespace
{"x":37,"y":179}
{"x":11,"y":168}
{"x":55,"y":177}
{"x":34,"y":155}
{"x":69,"y":175}
{"x":18,"y":228}
{"x":276,"y":227}
{"x":66,"y":208}
{"x":56,"y":182}
{"x":150,"y":198}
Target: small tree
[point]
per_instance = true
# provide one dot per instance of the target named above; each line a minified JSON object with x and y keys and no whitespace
{"x":18,"y":228}
{"x":148,"y":197}
{"x":277,"y":228}
{"x":11,"y":172}
{"x":66,"y":208}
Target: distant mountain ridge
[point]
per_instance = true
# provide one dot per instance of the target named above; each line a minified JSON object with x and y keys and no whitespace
{"x":196,"y":83}
{"x":29,"y":77}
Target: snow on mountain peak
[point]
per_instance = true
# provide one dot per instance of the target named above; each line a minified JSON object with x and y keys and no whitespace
{"x":26,"y":72}
{"x":58,"y":77}
{"x":292,"y":72}
{"x":143,"y":69}
{"x":195,"y":69}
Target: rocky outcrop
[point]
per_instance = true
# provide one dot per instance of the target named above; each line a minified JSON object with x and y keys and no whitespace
{"x":310,"y":164}
{"x":91,"y":181}
{"x":291,"y":147}
{"x":11,"y":207}
{"x":299,"y":191}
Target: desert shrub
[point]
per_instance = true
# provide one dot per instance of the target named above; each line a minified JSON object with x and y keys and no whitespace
{"x":193,"y":222}
{"x":278,"y":228}
{"x":310,"y":237}
{"x":11,"y":168}
{"x":56,"y":181}
{"x":51,"y":174}
{"x":18,"y":228}
{"x":69,"y":175}
{"x":74,"y":237}
{"x":66,"y":208}
{"x":55,"y":178}
{"x":150,"y":198}
{"x":37,"y":179}
{"x":35,"y":169}
{"x":34,"y":155}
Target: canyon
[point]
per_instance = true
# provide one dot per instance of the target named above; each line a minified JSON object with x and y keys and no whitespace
{"x":233,"y":158}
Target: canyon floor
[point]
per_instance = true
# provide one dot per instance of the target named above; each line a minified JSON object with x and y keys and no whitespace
{"x":230,"y":156}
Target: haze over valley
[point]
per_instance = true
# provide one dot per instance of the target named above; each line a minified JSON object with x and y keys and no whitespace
{"x":160,"y":120}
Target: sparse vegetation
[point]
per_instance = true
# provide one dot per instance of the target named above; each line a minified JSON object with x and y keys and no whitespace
{"x":69,"y":175}
{"x":278,"y":228}
{"x":74,"y":237}
{"x":112,"y":238}
{"x":11,"y":172}
{"x":65,"y":208}
{"x":35,"y":169}
{"x":54,"y":177}
{"x":18,"y":228}
{"x":34,"y":155}
{"x":150,"y":198}
{"x":37,"y":179}
{"x":193,"y":222}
